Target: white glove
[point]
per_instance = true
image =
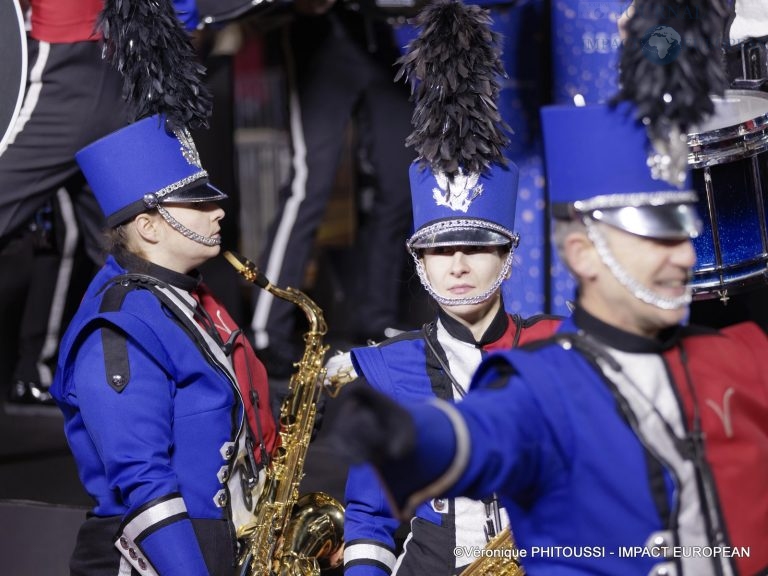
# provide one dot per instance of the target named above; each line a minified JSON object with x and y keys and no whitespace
{"x":338,"y":372}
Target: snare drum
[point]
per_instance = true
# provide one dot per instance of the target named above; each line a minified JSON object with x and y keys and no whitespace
{"x":729,"y":157}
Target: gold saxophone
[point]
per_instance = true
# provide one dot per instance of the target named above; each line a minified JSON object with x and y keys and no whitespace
{"x":292,"y":535}
{"x":498,"y":559}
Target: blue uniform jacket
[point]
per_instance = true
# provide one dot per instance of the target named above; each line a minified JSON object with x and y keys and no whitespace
{"x":404,"y":369}
{"x":153,"y":428}
{"x":547,"y":432}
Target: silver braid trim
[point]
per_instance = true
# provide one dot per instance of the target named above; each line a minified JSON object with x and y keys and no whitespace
{"x":462,"y":224}
{"x":503,"y":273}
{"x":637,"y":289}
{"x":184,"y":231}
{"x":661,"y":198}
{"x":181,"y":184}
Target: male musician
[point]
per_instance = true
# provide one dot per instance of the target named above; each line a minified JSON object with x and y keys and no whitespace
{"x":72,"y":97}
{"x":629,"y":440}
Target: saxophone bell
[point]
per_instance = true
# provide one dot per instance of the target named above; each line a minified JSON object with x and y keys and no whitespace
{"x":316,"y":530}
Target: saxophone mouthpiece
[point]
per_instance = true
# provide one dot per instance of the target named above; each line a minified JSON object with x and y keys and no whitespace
{"x":247,"y":268}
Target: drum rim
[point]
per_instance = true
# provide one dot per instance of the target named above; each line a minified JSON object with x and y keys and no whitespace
{"x":733,"y":130}
{"x":718,"y":287}
{"x":730,"y":143}
{"x":757,"y":259}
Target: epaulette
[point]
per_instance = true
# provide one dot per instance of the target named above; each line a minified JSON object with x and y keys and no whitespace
{"x":113,"y":340}
{"x":536,"y":318}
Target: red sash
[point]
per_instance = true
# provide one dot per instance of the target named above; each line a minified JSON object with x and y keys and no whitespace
{"x":729,"y":376}
{"x":249,"y":370}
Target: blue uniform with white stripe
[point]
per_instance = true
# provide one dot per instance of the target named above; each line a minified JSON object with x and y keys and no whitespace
{"x":154,"y":417}
{"x":405,"y":368}
{"x":587,"y":470}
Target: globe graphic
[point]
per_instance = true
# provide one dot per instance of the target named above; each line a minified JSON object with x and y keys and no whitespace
{"x":661,"y":44}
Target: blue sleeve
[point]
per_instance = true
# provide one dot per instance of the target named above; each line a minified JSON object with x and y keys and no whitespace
{"x":132,"y":432}
{"x":171,"y":549}
{"x":369,"y":527}
{"x":422,"y":471}
{"x":496,"y":440}
{"x":510,"y":438}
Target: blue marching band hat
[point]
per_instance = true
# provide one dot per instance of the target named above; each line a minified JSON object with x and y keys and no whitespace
{"x":142,"y":165}
{"x":152,"y":161}
{"x":597,"y":166}
{"x":470,"y":210}
{"x":463,"y":190}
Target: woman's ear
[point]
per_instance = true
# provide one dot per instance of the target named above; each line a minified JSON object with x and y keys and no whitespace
{"x":146,"y":227}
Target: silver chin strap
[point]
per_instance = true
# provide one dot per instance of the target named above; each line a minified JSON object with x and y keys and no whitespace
{"x":635,"y":288}
{"x":184,"y":231}
{"x":503,"y":273}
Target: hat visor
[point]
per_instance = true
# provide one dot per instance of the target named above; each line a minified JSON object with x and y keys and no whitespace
{"x":203,"y":193}
{"x":461,"y":237}
{"x":667,"y":222}
{"x":193,"y":194}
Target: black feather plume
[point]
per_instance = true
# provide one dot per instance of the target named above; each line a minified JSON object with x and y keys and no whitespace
{"x":454,"y":66}
{"x":677,"y":93}
{"x":148,"y":45}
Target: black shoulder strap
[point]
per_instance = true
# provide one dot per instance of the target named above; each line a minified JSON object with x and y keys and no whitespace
{"x":441,"y":378}
{"x":114,"y":340}
{"x":117,"y":367}
{"x":531,"y":320}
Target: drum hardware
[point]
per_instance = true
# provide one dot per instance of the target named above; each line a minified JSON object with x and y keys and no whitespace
{"x":747,"y":64}
{"x":728,"y":155}
{"x":710,"y":197}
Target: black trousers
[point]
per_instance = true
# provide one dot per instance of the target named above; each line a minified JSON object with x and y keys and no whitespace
{"x":96,"y":555}
{"x":49,"y":221}
{"x":331,"y":75}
